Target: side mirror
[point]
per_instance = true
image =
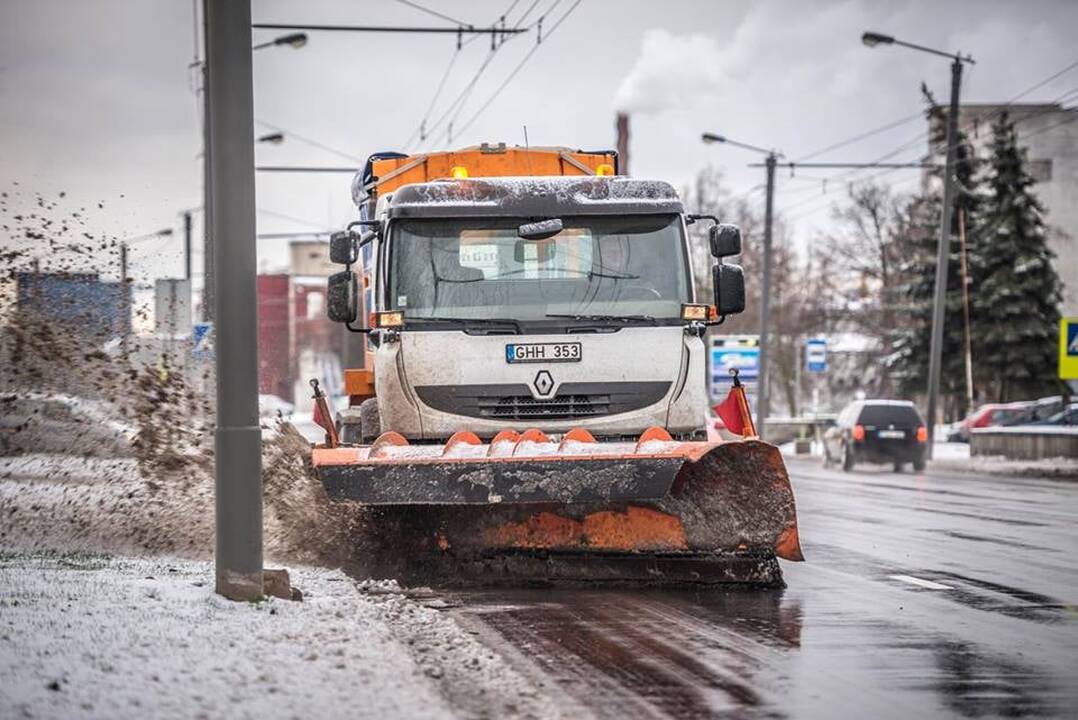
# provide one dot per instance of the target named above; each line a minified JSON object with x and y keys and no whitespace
{"x":342,"y":248}
{"x":725,"y":240}
{"x":729,"y":284}
{"x":342,"y":297}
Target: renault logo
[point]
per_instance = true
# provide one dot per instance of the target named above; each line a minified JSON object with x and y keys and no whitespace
{"x":543,"y":383}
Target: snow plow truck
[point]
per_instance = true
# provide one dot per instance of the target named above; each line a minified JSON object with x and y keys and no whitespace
{"x":532,"y":402}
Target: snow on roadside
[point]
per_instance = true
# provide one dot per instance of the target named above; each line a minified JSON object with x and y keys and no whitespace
{"x":1063,"y":468}
{"x":92,"y":636}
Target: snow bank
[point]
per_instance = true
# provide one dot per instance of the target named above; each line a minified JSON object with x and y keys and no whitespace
{"x":88,"y":637}
{"x":84,"y":635}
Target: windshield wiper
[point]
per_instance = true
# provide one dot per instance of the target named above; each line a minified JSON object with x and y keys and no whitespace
{"x":586,"y":273}
{"x":604,"y":318}
{"x":515,"y":324}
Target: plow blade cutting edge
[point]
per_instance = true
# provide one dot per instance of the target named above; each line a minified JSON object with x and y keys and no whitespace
{"x":654,"y":511}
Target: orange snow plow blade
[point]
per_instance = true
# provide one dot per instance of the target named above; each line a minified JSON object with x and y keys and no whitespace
{"x":655,"y":510}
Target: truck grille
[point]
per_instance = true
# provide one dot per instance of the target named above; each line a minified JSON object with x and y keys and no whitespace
{"x":525,"y":407}
{"x":515,"y":402}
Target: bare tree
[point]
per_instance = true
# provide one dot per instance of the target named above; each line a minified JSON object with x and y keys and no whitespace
{"x":797,"y":295}
{"x":864,"y":249}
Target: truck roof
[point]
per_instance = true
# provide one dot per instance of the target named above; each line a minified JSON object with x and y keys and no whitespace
{"x":387,"y":171}
{"x":550,"y":196}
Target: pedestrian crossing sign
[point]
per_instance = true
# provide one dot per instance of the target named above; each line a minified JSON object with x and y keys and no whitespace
{"x":1068,"y":348}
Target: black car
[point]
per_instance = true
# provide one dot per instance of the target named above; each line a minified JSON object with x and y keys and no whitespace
{"x":878,"y":431}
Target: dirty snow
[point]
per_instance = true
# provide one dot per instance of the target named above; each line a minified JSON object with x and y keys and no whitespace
{"x":90,"y":636}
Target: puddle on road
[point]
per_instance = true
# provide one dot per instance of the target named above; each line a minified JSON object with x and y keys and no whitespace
{"x":670,"y":654}
{"x":645,"y":654}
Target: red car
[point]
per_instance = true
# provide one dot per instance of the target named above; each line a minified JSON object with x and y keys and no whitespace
{"x":988,"y":415}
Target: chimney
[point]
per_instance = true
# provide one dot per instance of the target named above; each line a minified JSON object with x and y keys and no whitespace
{"x":623,"y":143}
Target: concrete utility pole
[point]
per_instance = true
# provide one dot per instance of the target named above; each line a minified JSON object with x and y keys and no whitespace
{"x":943,"y":250}
{"x":762,"y":396}
{"x":238,"y":460}
{"x":943,"y":254}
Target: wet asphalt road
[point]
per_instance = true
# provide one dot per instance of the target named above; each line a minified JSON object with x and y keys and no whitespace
{"x":939,"y":594}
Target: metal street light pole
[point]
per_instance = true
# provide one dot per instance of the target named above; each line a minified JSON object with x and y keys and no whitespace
{"x":939,"y":303}
{"x":762,"y":385}
{"x":238,"y":459}
{"x":763,"y":401}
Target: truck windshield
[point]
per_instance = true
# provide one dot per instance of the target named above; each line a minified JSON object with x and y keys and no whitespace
{"x":596,"y":266}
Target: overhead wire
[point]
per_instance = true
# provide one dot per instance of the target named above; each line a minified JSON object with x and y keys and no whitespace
{"x":307,"y":140}
{"x":861,"y":136}
{"x":938,"y":147}
{"x":425,"y":133}
{"x":941,"y":147}
{"x":435,"y":13}
{"x":521,"y":64}
{"x":467,"y":94}
{"x":522,"y":18}
{"x":291,"y":218}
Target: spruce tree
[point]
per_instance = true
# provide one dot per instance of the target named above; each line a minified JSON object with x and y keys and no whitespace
{"x":908,"y":361}
{"x":1016,"y":300}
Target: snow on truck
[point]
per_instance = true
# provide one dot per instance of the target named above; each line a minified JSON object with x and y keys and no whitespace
{"x":533,"y":402}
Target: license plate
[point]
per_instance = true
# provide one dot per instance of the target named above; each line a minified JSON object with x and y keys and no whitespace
{"x":896,"y":434}
{"x":542,"y":352}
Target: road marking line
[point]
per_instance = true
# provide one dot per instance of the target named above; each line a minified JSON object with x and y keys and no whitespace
{"x":920,"y":583}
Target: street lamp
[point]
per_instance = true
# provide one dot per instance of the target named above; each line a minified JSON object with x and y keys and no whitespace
{"x":295,"y":40}
{"x":164,"y":232}
{"x":872,"y":39}
{"x":762,"y":387}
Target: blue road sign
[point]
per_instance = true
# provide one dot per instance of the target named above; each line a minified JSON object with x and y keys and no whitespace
{"x":202,"y":339}
{"x":816,"y":355}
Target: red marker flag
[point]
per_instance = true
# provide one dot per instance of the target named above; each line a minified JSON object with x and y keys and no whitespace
{"x":322,"y":416}
{"x":734,"y":410}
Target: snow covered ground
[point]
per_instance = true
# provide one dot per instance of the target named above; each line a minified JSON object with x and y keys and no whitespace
{"x":85,"y":635}
{"x":107,"y":609}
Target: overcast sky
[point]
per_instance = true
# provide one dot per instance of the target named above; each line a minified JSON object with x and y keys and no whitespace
{"x":96,"y":98}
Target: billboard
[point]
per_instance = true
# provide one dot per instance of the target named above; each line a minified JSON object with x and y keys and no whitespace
{"x":733,"y":351}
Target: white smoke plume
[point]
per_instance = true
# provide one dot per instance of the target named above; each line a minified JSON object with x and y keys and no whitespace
{"x":670,"y":71}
